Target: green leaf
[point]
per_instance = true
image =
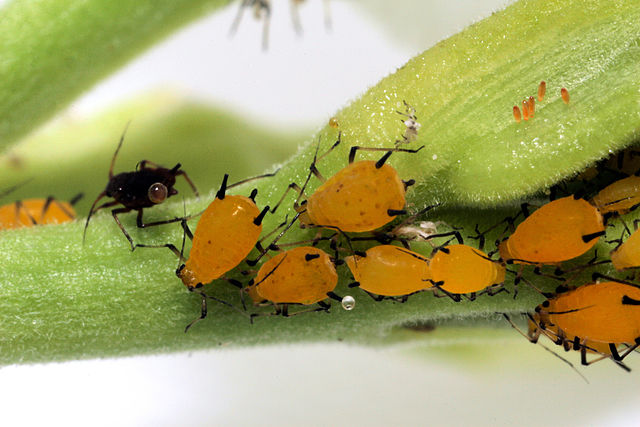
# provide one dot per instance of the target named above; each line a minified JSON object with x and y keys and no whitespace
{"x":54,"y":50}
{"x":60,"y":300}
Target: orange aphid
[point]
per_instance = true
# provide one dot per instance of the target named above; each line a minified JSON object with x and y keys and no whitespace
{"x":525,"y":109}
{"x":532,"y":106}
{"x":558,"y":231}
{"x":564,"y":93}
{"x":516,"y":114}
{"x":542,"y":88}
{"x":27,"y":213}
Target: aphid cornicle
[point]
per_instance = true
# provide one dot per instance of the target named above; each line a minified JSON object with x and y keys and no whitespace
{"x":304,"y":275}
{"x":557,"y":231}
{"x":26,"y":213}
{"x":147,"y":186}
{"x":226,"y":233}
{"x":463,"y":270}
{"x":363,"y":196}
{"x":389,"y":271}
{"x":605,"y":313}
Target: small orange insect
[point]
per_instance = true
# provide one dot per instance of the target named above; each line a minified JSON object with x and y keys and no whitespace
{"x":558,"y":231}
{"x":363,"y":196}
{"x":564,"y":93}
{"x":516,"y":114}
{"x":599,"y":313}
{"x":26,"y":213}
{"x":304,"y":275}
{"x":389,"y":271}
{"x":226,"y":233}
{"x":542,"y":89}
{"x":462,"y":270}
{"x":621,"y":197}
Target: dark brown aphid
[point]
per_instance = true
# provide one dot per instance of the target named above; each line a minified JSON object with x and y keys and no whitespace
{"x":150,"y":184}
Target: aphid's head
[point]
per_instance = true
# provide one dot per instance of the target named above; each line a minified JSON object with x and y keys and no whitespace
{"x":188,"y":277}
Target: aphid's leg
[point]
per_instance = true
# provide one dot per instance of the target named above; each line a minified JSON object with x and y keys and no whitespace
{"x":295,"y":16}
{"x":113,"y":159}
{"x":94,"y":210}
{"x":203,"y":312}
{"x":141,"y":224}
{"x":232,"y":282}
{"x":50,"y":200}
{"x":273,"y":244}
{"x":191,"y":184}
{"x":494,"y":289}
{"x":20,"y":207}
{"x":169,"y":246}
{"x":323,"y":306}
{"x":385,"y":157}
{"x":292,"y":186}
{"x":238,"y":18}
{"x":115,"y":213}
{"x":438,"y":286}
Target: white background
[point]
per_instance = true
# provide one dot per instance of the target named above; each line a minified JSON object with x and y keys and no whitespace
{"x":300,"y":82}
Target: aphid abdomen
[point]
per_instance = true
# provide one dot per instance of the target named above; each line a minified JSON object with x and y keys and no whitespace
{"x":303,"y":275}
{"x":463,"y":269}
{"x":619,"y":197}
{"x":390,"y":271}
{"x":224,"y":237}
{"x":627,"y":255}
{"x":558,"y":231}
{"x":358,"y":198}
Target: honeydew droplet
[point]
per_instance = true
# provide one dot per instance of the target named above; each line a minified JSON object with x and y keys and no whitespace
{"x":348,"y":302}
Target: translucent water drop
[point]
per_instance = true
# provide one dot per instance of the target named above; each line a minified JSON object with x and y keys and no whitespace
{"x":348,"y":302}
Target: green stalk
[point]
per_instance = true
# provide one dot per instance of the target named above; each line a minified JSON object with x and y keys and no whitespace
{"x":60,"y":300}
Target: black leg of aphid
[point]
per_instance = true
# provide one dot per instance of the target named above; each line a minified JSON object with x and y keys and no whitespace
{"x":203,"y":313}
{"x":375,"y":297}
{"x":379,"y":163}
{"x":113,"y":159}
{"x":595,"y":276}
{"x":19,"y":206}
{"x":115,"y":213}
{"x":94,"y":210}
{"x":141,"y":224}
{"x":324,"y":306}
{"x":60,"y":206}
{"x":455,"y":234}
{"x":292,"y":186}
{"x":169,"y":246}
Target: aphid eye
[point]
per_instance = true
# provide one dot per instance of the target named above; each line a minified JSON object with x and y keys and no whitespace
{"x":157,"y":193}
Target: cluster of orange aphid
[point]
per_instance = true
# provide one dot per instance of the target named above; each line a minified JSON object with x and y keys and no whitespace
{"x":529,"y":104}
{"x":366,"y":196}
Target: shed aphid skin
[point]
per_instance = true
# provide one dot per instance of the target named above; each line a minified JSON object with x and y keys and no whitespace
{"x":564,"y":94}
{"x":557,"y":231}
{"x":149,"y":185}
{"x":620,"y":197}
{"x":304,"y":275}
{"x":412,"y":126}
{"x":389,"y":271}
{"x":226,"y":233}
{"x":460,"y":270}
{"x":30,"y":212}
{"x":542,"y":89}
{"x":516,"y":114}
{"x":599,"y":313}
{"x":363,"y":196}
{"x":261,"y":11}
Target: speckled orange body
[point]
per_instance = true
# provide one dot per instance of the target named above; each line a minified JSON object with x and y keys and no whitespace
{"x":553,"y":233}
{"x":390,"y":271}
{"x":600,"y":314}
{"x":619,"y":197}
{"x":223,"y":238}
{"x":294,"y":279}
{"x":357,"y":198}
{"x":464,"y":270}
{"x":57,"y":212}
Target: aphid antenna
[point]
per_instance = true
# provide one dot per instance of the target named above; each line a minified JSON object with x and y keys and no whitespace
{"x":514,"y":326}
{"x":253,"y":178}
{"x":421,"y":258}
{"x":595,"y":276}
{"x":15,"y":187}
{"x":383,"y":159}
{"x":273,"y":242}
{"x":113,"y":159}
